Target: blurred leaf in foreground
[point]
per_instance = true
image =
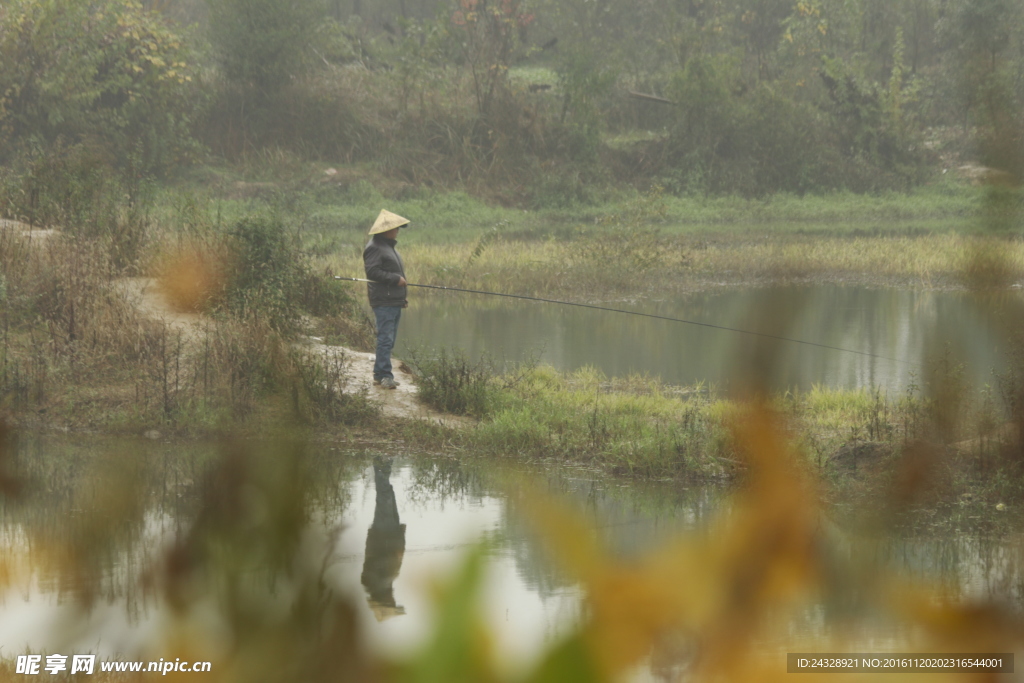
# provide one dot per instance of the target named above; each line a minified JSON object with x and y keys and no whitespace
{"x":725,"y":597}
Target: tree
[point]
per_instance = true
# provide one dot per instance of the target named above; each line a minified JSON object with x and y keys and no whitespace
{"x":978,"y":35}
{"x":488,"y":36}
{"x":261,"y":44}
{"x":761,"y":23}
{"x":101,"y":70}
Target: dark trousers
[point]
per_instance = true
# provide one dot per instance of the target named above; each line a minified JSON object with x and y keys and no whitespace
{"x":387,"y":330}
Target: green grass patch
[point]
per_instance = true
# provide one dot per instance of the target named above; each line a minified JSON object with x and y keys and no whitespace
{"x":344,"y":204}
{"x":639,"y":427}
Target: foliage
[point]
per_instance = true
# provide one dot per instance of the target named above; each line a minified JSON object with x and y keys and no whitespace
{"x":321,"y":393}
{"x":584,"y":81}
{"x":487,"y":34}
{"x":106,"y":362}
{"x":269,"y":275}
{"x":261,"y":249}
{"x":452,"y":383}
{"x":625,"y":249}
{"x":261,"y":44}
{"x":764,"y":142}
{"x":872,"y":120}
{"x":750,"y":97}
{"x":630,"y":426}
{"x":310,"y":118}
{"x":264,"y":51}
{"x":108,"y":72}
{"x":72,"y":188}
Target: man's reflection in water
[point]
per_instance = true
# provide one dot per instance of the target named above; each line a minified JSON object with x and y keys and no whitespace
{"x":385,"y":546}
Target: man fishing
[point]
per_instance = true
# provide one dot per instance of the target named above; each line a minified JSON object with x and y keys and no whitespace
{"x":386,"y":289}
{"x":387,"y":286}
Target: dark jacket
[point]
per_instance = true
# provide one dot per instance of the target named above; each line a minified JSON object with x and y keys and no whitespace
{"x":383,"y":266}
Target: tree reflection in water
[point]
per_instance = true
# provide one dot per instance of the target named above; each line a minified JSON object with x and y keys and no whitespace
{"x":385,"y":546}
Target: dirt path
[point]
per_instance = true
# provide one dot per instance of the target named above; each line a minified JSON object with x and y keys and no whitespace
{"x":401,"y":402}
{"x":145,"y":295}
{"x":26,"y":230}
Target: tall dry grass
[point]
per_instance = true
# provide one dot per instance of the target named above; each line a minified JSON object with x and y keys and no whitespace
{"x":79,"y":349}
{"x":594,"y":264}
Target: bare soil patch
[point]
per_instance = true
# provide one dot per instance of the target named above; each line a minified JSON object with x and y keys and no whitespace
{"x":402,"y":402}
{"x":145,"y":294}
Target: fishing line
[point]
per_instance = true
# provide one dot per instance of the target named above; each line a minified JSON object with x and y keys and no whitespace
{"x":644,"y":315}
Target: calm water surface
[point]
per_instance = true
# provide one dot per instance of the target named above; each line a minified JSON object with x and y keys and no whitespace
{"x":913,"y":326}
{"x":397,"y":525}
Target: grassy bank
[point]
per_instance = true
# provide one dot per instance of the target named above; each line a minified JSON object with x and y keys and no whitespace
{"x":249,"y":246}
{"x":927,"y":238}
{"x":595,"y":266}
{"x":339,"y":200}
{"x":639,"y":427}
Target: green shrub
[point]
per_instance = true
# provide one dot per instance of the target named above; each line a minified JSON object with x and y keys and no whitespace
{"x":318,"y":390}
{"x":452,"y":383}
{"x":271,"y":278}
{"x":263,"y":270}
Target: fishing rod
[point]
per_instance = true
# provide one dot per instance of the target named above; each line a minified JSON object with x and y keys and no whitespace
{"x":639,"y":313}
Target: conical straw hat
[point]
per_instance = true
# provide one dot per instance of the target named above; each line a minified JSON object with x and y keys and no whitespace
{"x":387,"y":221}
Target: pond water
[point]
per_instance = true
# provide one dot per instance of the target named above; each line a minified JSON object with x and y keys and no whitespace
{"x":383,"y":530}
{"x":914,"y":327}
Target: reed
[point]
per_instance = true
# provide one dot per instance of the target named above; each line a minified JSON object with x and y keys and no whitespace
{"x":593,"y":265}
